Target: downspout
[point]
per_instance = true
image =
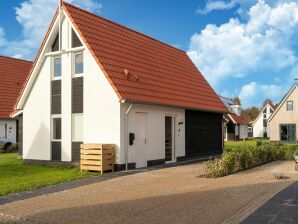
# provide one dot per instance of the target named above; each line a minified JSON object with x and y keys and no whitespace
{"x":126,"y":135}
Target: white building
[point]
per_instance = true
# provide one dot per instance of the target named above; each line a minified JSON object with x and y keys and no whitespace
{"x":13,"y":74}
{"x":100,"y":82}
{"x":235,"y":124}
{"x":260,"y":125}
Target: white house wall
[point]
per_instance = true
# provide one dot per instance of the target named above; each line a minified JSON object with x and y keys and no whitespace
{"x":10,"y":131}
{"x":66,"y":94}
{"x":36,"y":117}
{"x":258,"y":128}
{"x":155,"y":147}
{"x":101,"y":107}
{"x":243,"y":131}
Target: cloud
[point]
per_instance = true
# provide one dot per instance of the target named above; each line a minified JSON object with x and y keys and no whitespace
{"x":211,"y":5}
{"x":254,"y":94}
{"x":216,"y":5}
{"x":238,"y":49}
{"x":34,"y":16}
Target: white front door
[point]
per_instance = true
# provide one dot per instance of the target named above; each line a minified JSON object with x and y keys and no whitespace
{"x":141,"y":139}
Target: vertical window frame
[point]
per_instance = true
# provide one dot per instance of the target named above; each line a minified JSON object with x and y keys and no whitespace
{"x":53,"y":68}
{"x":73,"y":127}
{"x":55,"y":116}
{"x":74,"y":75}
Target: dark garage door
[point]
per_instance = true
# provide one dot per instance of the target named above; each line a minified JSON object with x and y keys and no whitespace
{"x":203,"y":133}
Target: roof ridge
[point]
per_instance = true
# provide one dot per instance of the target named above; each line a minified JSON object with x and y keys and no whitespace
{"x":118,"y":24}
{"x":4,"y":56}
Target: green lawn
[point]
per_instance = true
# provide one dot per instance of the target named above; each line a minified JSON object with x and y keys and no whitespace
{"x":229,"y":145}
{"x":16,"y":176}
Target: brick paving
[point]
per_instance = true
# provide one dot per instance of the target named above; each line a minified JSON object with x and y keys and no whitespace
{"x":174,"y":195}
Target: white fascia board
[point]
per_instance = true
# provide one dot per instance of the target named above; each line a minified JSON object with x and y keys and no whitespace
{"x":282,"y":102}
{"x":36,"y":68}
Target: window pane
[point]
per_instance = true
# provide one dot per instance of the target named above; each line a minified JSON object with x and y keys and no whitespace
{"x":57,"y":128}
{"x":77,"y":127}
{"x":290,"y":105}
{"x":75,"y":40}
{"x":79,"y":64}
{"x":57,"y":67}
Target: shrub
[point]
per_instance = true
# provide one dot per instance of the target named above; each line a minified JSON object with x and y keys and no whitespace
{"x":244,"y":157}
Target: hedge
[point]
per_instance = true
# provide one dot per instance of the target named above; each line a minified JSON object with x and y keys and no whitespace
{"x":244,"y":157}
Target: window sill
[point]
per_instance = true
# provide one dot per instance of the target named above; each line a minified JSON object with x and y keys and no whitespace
{"x":56,"y":78}
{"x":78,"y":75}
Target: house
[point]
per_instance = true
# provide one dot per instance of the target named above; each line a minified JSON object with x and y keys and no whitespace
{"x":95,"y":81}
{"x":235,"y":124}
{"x":283,"y":122}
{"x":259,"y":126}
{"x":13,"y":73}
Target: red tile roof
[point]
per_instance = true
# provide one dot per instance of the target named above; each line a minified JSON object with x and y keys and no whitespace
{"x":142,"y":69}
{"x":13,"y":73}
{"x":238,"y":119}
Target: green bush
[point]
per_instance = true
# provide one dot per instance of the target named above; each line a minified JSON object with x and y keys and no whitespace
{"x":244,"y":157}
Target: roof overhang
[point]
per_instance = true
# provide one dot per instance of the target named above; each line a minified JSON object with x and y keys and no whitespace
{"x":169,"y":105}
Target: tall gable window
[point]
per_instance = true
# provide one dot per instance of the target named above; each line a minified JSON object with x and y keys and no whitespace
{"x":289,"y":105}
{"x":75,"y":41}
{"x":56,"y":128}
{"x":55,"y":46}
{"x":79,"y":66}
{"x":57,"y":67}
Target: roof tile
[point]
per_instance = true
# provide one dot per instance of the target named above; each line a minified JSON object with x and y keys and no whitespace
{"x":13,"y":74}
{"x":166,"y":75}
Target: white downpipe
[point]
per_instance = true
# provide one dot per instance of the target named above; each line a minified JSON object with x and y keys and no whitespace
{"x":126,"y":135}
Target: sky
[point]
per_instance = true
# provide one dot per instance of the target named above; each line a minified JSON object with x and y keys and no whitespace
{"x":244,"y":48}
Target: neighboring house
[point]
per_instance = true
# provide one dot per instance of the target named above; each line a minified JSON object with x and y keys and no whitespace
{"x":259,"y":126}
{"x":13,"y":74}
{"x":110,"y":84}
{"x":283,"y":122}
{"x":235,"y":124}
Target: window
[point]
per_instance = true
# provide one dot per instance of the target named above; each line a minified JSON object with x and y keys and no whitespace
{"x":55,"y":46}
{"x":57,"y":67}
{"x":79,"y":68}
{"x":289,"y":105}
{"x":249,"y":129}
{"x":56,"y":128}
{"x":264,"y":123}
{"x":77,"y":127}
{"x":75,"y":41}
{"x":264,"y":116}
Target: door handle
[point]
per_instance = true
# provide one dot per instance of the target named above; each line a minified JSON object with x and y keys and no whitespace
{"x":145,"y":140}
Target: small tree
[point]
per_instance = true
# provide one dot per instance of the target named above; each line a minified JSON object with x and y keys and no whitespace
{"x":236,"y":100}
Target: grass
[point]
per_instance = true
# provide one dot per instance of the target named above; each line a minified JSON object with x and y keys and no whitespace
{"x":16,"y":176}
{"x":230,"y":145}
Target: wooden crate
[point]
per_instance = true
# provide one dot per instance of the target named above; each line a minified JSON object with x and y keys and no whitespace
{"x":97,"y":157}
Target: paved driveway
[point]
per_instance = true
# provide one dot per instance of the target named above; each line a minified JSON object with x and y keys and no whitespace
{"x":173,"y":195}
